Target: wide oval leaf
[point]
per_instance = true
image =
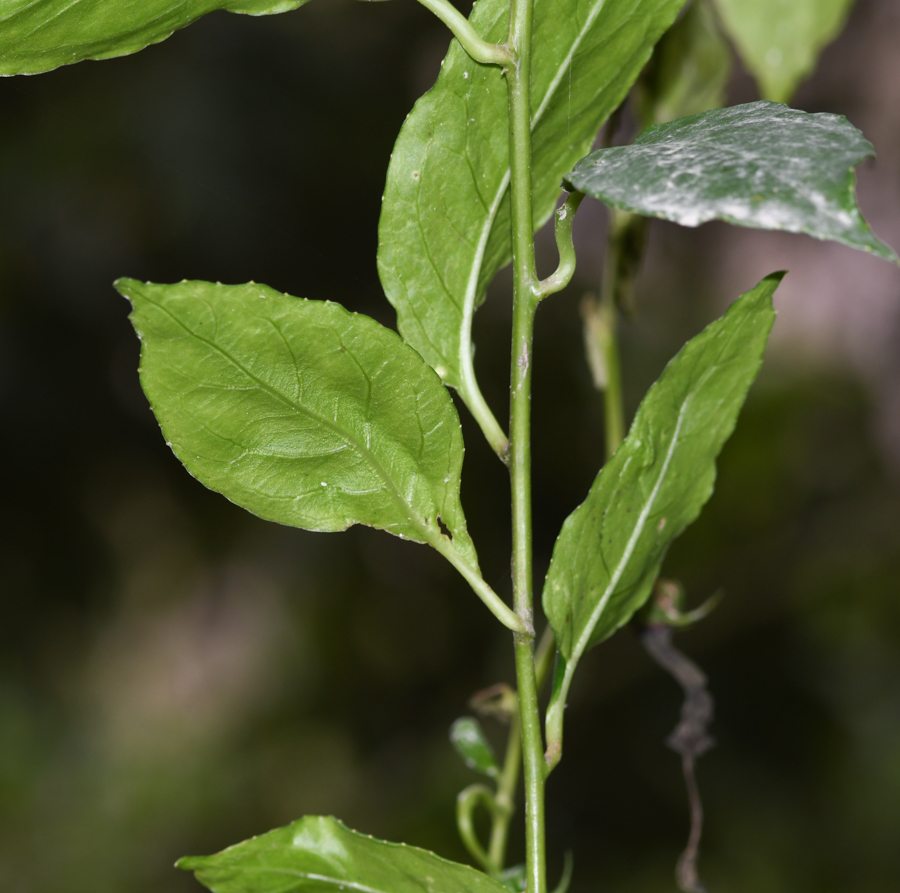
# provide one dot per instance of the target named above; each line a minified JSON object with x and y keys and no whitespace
{"x":445,"y":226}
{"x":39,"y":35}
{"x":761,"y":165}
{"x":300,"y":411}
{"x":321,"y":854}
{"x":609,"y":551}
{"x":780,"y":42}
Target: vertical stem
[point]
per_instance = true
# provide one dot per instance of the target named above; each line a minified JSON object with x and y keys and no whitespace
{"x":624,"y":252}
{"x":524,"y":303}
{"x":533,"y":758}
{"x":613,"y":411}
{"x":504,"y":799}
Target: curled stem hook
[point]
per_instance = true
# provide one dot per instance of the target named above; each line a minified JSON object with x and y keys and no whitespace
{"x":466,"y":801}
{"x":565,"y":217}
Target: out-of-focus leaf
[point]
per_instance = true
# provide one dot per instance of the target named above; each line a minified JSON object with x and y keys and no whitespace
{"x":38,"y":35}
{"x":761,"y":165}
{"x":445,"y":227}
{"x":515,"y":879}
{"x":471,"y":744}
{"x":609,"y":551}
{"x":689,"y":71}
{"x":300,"y":411}
{"x":780,"y":40}
{"x":319,"y":854}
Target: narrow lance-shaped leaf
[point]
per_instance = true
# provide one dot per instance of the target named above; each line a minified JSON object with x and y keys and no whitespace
{"x":319,"y":854}
{"x":780,"y":41}
{"x":470,"y":742}
{"x":38,"y":35}
{"x":300,"y":411}
{"x":610,"y":549}
{"x":760,"y":165}
{"x":445,"y":227}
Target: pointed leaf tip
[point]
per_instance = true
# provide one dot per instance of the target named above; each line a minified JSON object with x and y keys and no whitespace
{"x":780,"y":42}
{"x":760,"y":165}
{"x":610,"y":549}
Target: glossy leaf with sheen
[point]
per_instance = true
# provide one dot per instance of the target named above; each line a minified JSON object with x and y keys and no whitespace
{"x":761,"y":165}
{"x":780,"y":41}
{"x":319,"y":854}
{"x":39,"y":35}
{"x":300,"y":411}
{"x":445,"y":224}
{"x":610,"y":549}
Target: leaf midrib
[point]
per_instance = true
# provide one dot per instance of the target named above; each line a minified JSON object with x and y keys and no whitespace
{"x":354,"y":444}
{"x":583,"y":640}
{"x":306,"y":875}
{"x":465,"y":352}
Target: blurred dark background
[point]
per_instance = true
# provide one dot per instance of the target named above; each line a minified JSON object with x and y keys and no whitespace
{"x":177,"y":675}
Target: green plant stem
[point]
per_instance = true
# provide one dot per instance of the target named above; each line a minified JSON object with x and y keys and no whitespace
{"x":504,"y":799}
{"x":525,"y":295}
{"x":613,"y":411}
{"x":479,"y":49}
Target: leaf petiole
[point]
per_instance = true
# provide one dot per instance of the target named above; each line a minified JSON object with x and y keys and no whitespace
{"x":494,"y":603}
{"x":479,"y":49}
{"x":565,"y":217}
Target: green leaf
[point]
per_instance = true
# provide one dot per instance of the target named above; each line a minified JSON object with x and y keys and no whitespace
{"x":689,"y":71}
{"x":471,"y":744}
{"x":780,"y":41}
{"x":299,"y":411}
{"x":321,"y":854}
{"x":445,"y":226}
{"x":760,"y":165}
{"x":611,"y":547}
{"x":515,"y":879}
{"x":38,"y":35}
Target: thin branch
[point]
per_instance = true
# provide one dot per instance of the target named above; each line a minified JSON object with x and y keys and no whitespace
{"x":690,"y":738}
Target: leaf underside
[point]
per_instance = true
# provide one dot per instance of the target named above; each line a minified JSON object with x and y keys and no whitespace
{"x":299,"y":411}
{"x":780,"y":42}
{"x":39,"y":35}
{"x":445,"y":225}
{"x":761,"y":165}
{"x":610,"y":549}
{"x":319,"y":854}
